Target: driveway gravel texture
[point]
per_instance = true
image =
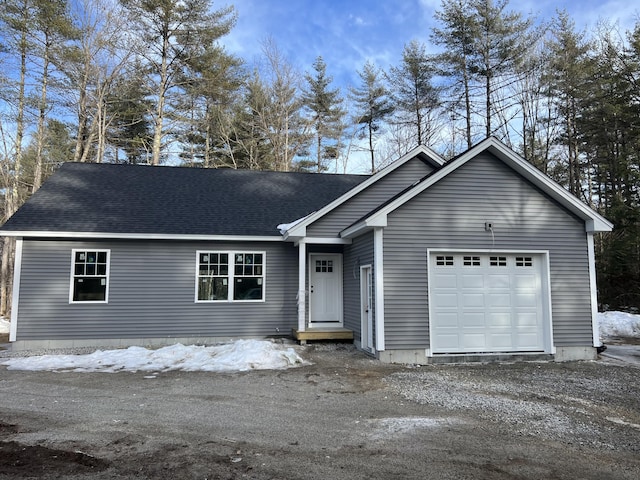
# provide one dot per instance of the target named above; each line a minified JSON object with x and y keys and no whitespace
{"x":345,"y":416}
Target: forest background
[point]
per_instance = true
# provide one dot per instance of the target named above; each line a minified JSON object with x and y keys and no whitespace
{"x":154,"y":82}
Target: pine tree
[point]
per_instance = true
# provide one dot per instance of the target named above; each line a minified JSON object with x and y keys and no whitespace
{"x":169,"y":30}
{"x":566,"y":77}
{"x":500,"y":40}
{"x":373,"y":105}
{"x":457,"y":37}
{"x":325,"y":113}
{"x":416,"y":98}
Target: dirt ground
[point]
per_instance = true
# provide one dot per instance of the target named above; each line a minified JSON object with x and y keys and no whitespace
{"x":346,"y":416}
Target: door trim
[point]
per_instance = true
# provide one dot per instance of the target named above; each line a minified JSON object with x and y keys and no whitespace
{"x":366,"y":316}
{"x":337,"y":258}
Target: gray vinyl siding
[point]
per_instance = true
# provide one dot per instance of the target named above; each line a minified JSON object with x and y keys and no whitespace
{"x":151,"y":293}
{"x":355,"y":208}
{"x":451,"y":214}
{"x":358,"y":254}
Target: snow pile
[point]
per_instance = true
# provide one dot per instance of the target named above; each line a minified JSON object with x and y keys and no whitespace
{"x":241,"y":355}
{"x":4,"y":325}
{"x":619,"y":324}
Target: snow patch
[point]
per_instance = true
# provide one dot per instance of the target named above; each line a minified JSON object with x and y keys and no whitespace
{"x":618,"y":324}
{"x":238,"y":356}
{"x":406,"y":425}
{"x":285,"y":227}
{"x":5,"y":325}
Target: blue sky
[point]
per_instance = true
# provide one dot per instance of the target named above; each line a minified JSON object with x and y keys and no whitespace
{"x":348,"y":32}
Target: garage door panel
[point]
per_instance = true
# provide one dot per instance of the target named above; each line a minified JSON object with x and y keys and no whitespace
{"x":487,"y":303}
{"x":500,"y":341}
{"x":526,"y":300}
{"x":445,"y":300}
{"x":500,"y":319}
{"x":471,"y":300}
{"x":525,"y":282}
{"x":496,"y":300}
{"x":474,"y":342}
{"x":449,"y":341}
{"x":446,"y":280}
{"x":472,"y":281}
{"x":471,"y":319}
{"x":528,"y":341}
{"x":499,"y":282}
{"x":523,"y":319}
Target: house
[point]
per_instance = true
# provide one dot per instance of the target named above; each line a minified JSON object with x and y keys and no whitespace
{"x":424,"y":261}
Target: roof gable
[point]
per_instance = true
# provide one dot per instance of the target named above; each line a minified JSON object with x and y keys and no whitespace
{"x":88,"y":199}
{"x":594,"y":222}
{"x":297,"y":228}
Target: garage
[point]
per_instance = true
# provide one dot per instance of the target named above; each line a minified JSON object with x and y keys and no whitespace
{"x":488,"y":302}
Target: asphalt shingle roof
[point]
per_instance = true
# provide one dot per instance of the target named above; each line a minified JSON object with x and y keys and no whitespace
{"x":108,"y":198}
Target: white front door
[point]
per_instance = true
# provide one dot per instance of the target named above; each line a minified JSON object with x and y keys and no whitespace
{"x":325,"y":290}
{"x":366,"y":308}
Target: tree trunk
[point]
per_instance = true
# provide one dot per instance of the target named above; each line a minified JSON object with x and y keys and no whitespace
{"x":467,"y":104}
{"x":162,"y":93}
{"x":12,"y":198}
{"x":373,"y":163}
{"x":37,"y":175}
{"x":319,"y":146}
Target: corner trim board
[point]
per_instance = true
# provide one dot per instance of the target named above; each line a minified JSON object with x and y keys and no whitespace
{"x":594,"y":291}
{"x":15,"y":296}
{"x":378,"y":269}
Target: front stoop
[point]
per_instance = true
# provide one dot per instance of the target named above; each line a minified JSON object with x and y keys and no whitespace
{"x":322,"y":334}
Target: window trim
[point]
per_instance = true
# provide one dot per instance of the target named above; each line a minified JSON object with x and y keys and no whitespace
{"x":232,"y":275}
{"x":72,"y":275}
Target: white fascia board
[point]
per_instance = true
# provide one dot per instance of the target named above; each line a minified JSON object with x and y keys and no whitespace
{"x":141,"y":236}
{"x":323,"y":241}
{"x":364,"y":226}
{"x":300,"y":228}
{"x":594,"y":222}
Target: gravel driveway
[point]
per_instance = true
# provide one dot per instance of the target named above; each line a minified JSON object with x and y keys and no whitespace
{"x":344,"y":417}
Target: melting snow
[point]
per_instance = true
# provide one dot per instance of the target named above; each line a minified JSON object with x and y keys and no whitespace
{"x":241,"y":355}
{"x":5,"y":325}
{"x":619,"y":324}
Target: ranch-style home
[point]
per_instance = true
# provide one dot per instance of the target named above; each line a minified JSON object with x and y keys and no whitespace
{"x":424,"y":261}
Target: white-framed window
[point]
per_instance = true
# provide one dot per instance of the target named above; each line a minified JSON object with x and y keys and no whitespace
{"x":89,"y":276}
{"x":230,"y":276}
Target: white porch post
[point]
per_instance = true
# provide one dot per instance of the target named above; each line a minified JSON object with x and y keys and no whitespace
{"x":302,"y":268}
{"x":378,"y":256}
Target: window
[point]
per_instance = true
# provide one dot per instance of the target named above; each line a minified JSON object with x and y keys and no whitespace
{"x":444,"y":260}
{"x":324,"y":266}
{"x":230,"y":276}
{"x":524,"y":262}
{"x":90,"y":279}
{"x":471,"y":261}
{"x":498,"y":261}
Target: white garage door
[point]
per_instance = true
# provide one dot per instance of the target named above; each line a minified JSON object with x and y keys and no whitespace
{"x":486,"y":302}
